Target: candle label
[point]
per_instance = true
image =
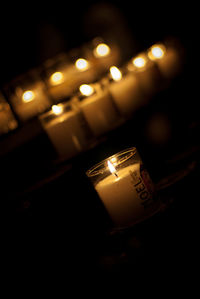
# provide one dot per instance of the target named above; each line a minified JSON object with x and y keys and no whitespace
{"x":143,"y":185}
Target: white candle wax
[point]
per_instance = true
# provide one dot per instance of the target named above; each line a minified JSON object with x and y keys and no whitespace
{"x":126,"y":197}
{"x":99,"y":111}
{"x":68,"y":133}
{"x":28,"y":108}
{"x":126,"y":94}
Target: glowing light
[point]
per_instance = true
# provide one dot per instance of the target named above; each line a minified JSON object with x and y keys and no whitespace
{"x":28,"y":96}
{"x":112,"y":168}
{"x":139,"y":62}
{"x":57,"y":109}
{"x":156,"y":52}
{"x":101,"y":50}
{"x":81,"y":64}
{"x":115,"y":73}
{"x":56,"y":78}
{"x":86,"y":89}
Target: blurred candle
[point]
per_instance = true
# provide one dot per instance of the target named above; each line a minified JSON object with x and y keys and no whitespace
{"x":102,"y":55}
{"x":125,"y":188}
{"x":28,"y":96}
{"x":97,"y":107}
{"x":65,"y":77}
{"x":125,"y":90}
{"x":7,"y":119}
{"x":67,"y":130}
{"x":146,"y":72}
{"x":168,"y":59}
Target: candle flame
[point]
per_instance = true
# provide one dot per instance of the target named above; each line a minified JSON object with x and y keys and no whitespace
{"x":86,"y":89}
{"x":56,"y":78}
{"x":57,"y":109}
{"x":156,"y":52}
{"x":139,"y":62}
{"x":28,"y":96}
{"x":112,"y":168}
{"x":115,"y":73}
{"x":81,"y":64}
{"x":101,"y":50}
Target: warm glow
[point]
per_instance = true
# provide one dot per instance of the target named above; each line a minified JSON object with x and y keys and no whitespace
{"x":56,"y":78}
{"x":115,"y":73}
{"x":57,"y":109}
{"x":156,"y":52}
{"x":139,"y":62}
{"x":81,"y":64}
{"x":86,"y":89}
{"x":112,"y":168}
{"x":28,"y":96}
{"x":101,"y":50}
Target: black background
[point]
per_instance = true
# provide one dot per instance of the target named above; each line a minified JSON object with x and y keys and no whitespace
{"x":51,"y":236}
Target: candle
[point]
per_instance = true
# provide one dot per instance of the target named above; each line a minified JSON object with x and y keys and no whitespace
{"x":146,"y":72}
{"x":125,"y":188}
{"x":67,"y":130}
{"x":54,"y":74}
{"x":97,"y":107}
{"x":167,"y":57}
{"x":7,"y":119}
{"x":28,"y":96}
{"x":63,"y":76}
{"x":102,"y":55}
{"x":125,"y":90}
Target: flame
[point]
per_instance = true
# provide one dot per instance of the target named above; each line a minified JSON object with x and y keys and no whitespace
{"x":81,"y":64}
{"x":56,"y":78}
{"x":139,"y":62}
{"x":101,"y":50}
{"x":112,"y":168}
{"x":28,"y":96}
{"x":86,"y":89}
{"x":115,"y":73}
{"x":57,"y":109}
{"x":157,"y":51}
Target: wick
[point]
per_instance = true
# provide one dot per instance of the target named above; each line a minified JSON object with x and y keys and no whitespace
{"x":116,"y":175}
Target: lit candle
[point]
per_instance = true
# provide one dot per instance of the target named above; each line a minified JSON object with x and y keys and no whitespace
{"x":67,"y":130}
{"x":63,"y":77}
{"x":125,"y":188}
{"x":97,"y":107}
{"x":102,"y":55}
{"x":7,"y":119}
{"x":125,"y":90}
{"x":147,"y":73}
{"x":167,"y":57}
{"x":28,"y":97}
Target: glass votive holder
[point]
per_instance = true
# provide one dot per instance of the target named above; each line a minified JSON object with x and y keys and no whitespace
{"x":55,"y":75}
{"x":98,"y":108}
{"x":7,"y":119}
{"x":67,"y":130}
{"x":28,"y":96}
{"x":125,"y":90}
{"x":125,"y":188}
{"x":147,"y":73}
{"x":168,"y":56}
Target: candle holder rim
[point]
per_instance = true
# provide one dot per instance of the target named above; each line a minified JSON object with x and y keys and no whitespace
{"x":101,"y":165}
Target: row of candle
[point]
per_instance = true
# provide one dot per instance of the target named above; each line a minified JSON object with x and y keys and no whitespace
{"x":58,"y":78}
{"x":97,"y":108}
{"x":101,"y":106}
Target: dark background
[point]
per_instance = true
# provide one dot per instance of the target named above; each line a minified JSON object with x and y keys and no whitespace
{"x":48,"y":232}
